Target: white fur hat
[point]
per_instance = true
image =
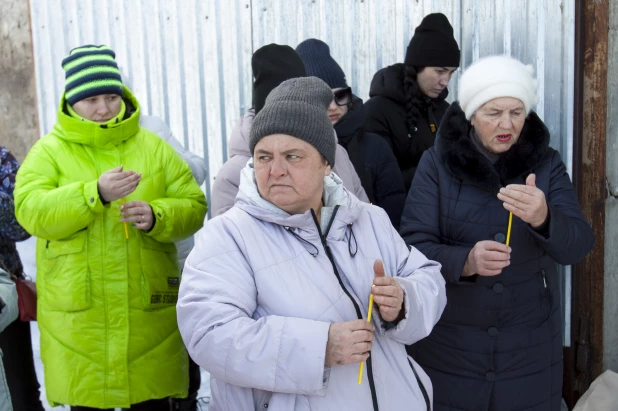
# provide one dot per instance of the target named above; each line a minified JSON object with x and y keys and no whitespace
{"x":493,"y":77}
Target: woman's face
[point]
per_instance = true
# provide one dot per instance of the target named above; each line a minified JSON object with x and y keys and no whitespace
{"x":433,"y":80}
{"x":335,"y":111}
{"x":498,"y":123}
{"x":289,"y":173}
{"x":101,"y":108}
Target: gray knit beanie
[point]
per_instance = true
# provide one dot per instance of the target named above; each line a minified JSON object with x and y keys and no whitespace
{"x":297,"y":108}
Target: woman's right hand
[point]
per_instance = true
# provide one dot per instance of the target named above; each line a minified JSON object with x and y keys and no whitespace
{"x":349,"y":342}
{"x":116,"y":183}
{"x":487,"y":258}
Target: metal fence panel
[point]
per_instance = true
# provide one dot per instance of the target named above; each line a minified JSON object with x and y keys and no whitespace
{"x":189,"y":61}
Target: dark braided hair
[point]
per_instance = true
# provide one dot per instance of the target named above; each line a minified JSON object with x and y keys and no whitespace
{"x":416,"y":101}
{"x":413,"y":94}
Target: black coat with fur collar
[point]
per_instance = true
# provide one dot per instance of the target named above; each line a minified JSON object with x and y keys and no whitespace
{"x":498,"y":343}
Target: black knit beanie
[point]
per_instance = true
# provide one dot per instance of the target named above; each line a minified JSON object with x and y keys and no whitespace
{"x":272,"y":65}
{"x":319,"y":63}
{"x":433,"y":44}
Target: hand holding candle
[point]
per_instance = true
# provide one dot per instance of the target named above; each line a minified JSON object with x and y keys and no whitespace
{"x":348,"y":342}
{"x":487,"y":258}
{"x":387,"y":292}
{"x":138,"y":213}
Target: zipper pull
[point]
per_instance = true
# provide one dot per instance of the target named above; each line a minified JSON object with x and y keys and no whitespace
{"x":544,"y":282}
{"x":326,"y":247}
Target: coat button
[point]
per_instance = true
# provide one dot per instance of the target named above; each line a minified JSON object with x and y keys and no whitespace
{"x":498,"y":288}
{"x":92,"y":199}
{"x":500,"y":237}
{"x":490,"y":376}
{"x":492,"y":331}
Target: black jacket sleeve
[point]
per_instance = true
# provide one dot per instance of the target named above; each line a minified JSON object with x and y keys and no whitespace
{"x":569,"y":237}
{"x":388,"y":185}
{"x":375,"y":118}
{"x":420,"y":222}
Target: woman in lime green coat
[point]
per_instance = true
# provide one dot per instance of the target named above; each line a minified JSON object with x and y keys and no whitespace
{"x":107,"y":199}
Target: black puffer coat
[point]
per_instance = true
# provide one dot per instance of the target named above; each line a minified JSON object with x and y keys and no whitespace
{"x":373,"y":161}
{"x":385,"y":114}
{"x":498,"y":343}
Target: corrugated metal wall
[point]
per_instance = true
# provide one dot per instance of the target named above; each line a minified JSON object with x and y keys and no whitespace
{"x":189,"y":61}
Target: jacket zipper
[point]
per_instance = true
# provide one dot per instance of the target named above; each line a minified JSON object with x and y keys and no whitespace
{"x":421,"y":386}
{"x":329,"y":254}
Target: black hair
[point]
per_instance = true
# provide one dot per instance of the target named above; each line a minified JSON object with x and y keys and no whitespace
{"x":416,"y":101}
{"x":413,"y":97}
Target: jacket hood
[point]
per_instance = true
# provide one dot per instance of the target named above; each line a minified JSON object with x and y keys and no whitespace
{"x":351,"y":123}
{"x":250,"y":201}
{"x":92,"y":134}
{"x":388,"y":82}
{"x":457,"y":152}
{"x":239,"y":140}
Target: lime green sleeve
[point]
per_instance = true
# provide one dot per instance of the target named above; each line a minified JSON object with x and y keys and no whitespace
{"x":181,"y":212}
{"x":46,"y":210}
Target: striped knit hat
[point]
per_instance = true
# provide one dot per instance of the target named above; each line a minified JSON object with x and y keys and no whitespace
{"x":91,"y":71}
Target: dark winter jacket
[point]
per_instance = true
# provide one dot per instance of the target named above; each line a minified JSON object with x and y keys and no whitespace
{"x":385,"y":114}
{"x":10,"y":230}
{"x":373,"y":161}
{"x":498,"y":343}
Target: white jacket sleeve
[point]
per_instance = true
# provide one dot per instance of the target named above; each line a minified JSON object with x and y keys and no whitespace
{"x":424,"y":291}
{"x":219,"y":322}
{"x":160,"y":128}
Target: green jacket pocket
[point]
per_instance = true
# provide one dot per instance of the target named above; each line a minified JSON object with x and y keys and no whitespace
{"x":65,"y":275}
{"x":160,"y":274}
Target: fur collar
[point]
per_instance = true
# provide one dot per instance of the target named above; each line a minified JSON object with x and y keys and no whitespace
{"x":457,"y":152}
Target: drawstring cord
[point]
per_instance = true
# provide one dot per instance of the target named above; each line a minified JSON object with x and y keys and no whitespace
{"x":351,"y":237}
{"x":299,"y":238}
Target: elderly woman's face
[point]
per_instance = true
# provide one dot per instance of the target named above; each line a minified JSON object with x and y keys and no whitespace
{"x":498,"y":123}
{"x":101,"y":108}
{"x":289,"y":173}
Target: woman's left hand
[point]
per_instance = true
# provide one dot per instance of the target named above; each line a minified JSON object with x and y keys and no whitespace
{"x":138,"y":213}
{"x":525,"y":201}
{"x":387,"y":293}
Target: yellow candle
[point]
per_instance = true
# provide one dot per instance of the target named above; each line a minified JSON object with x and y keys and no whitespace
{"x":360,"y":370}
{"x":126,"y":228}
{"x":508,"y":232}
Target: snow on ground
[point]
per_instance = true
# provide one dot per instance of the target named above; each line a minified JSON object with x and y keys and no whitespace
{"x":27,"y":253}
